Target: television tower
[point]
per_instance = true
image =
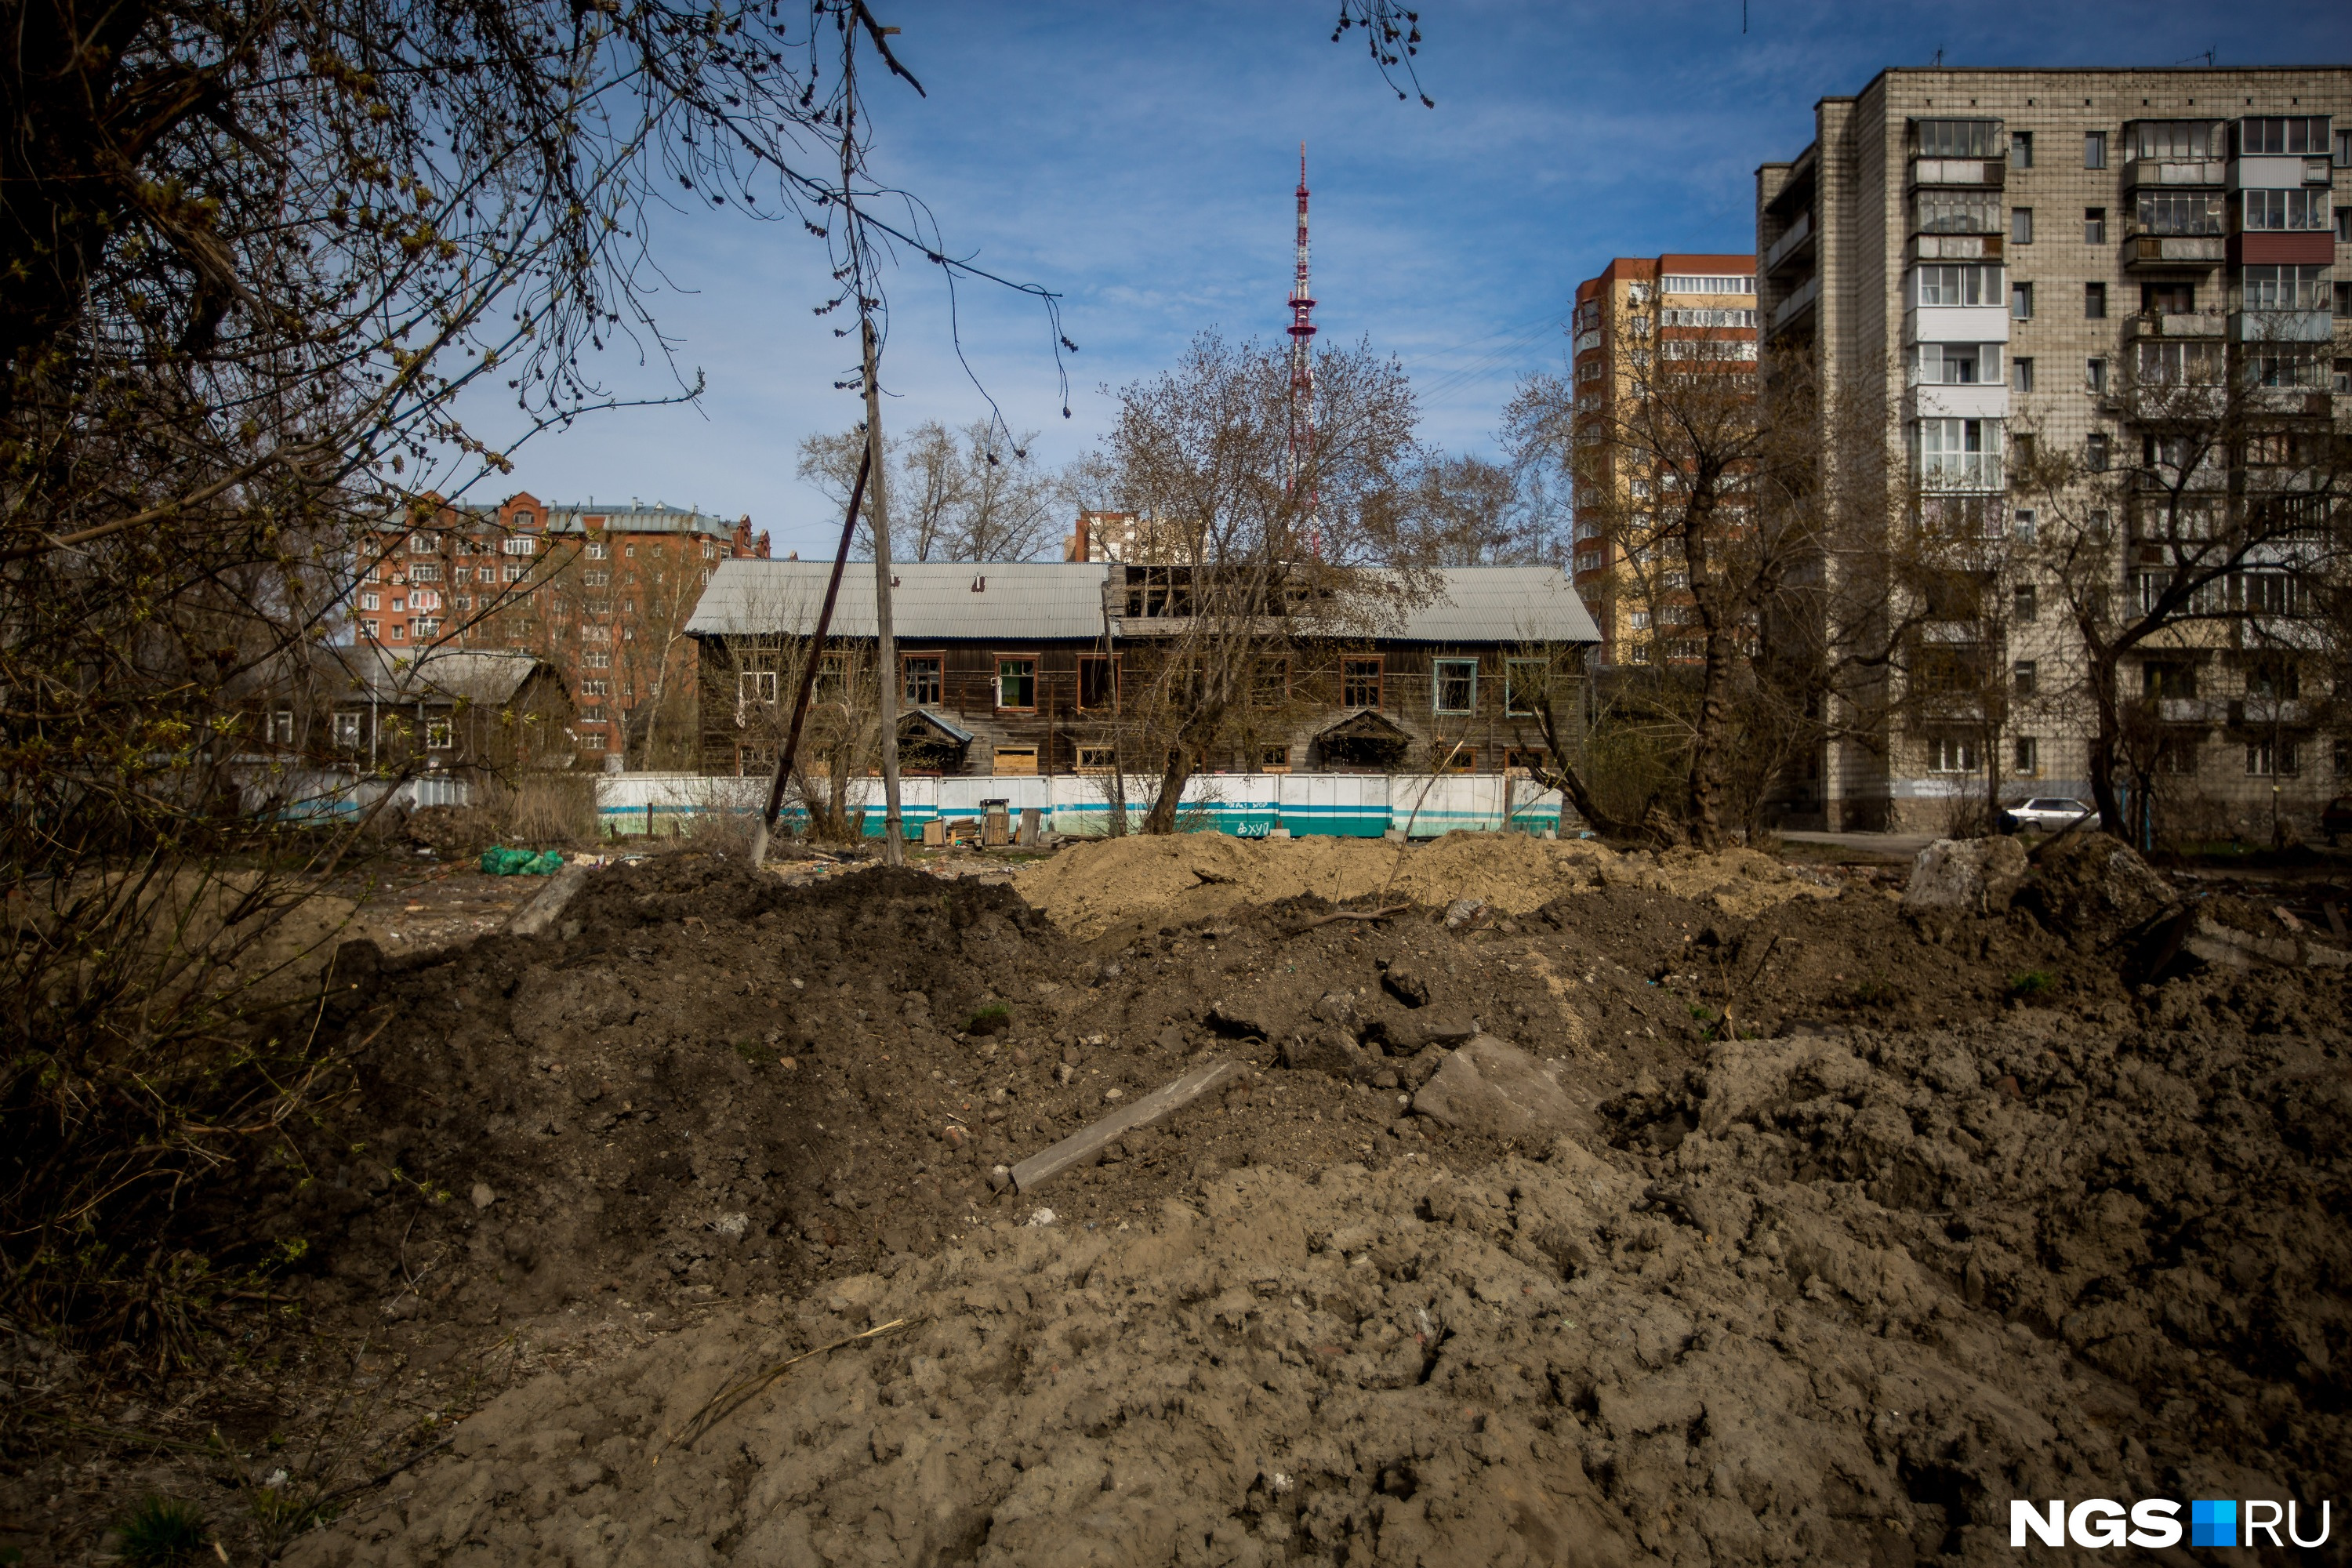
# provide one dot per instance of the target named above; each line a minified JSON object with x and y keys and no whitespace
{"x":1302,"y":369}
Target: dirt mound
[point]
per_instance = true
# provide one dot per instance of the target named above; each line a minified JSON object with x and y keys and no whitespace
{"x":1840,"y":1297}
{"x":1142,"y":883}
{"x":1811,"y":1257}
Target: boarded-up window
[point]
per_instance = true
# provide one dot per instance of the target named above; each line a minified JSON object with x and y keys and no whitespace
{"x":1270,"y":682}
{"x":1016,"y":760}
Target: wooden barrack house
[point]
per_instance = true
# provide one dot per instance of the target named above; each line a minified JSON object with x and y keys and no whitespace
{"x":1016,"y":667}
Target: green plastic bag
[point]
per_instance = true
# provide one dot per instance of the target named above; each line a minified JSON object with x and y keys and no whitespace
{"x":498,"y":862}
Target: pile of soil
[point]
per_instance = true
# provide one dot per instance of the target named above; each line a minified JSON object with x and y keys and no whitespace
{"x":1830,"y":1298}
{"x":1142,"y":883}
{"x":717,"y":1082}
{"x":1856,"y":1227}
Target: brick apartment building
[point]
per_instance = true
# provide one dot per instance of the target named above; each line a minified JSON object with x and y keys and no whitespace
{"x":1637,"y":307}
{"x":601,"y":592}
{"x":1999,"y":258}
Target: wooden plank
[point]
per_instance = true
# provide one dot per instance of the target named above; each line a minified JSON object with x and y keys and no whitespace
{"x":1161,"y":1103}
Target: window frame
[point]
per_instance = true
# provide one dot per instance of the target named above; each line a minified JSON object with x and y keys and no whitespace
{"x":1511,"y":709}
{"x":2021,"y":302}
{"x":2021,"y":149}
{"x":2025,"y":756}
{"x":996,"y":687}
{"x":1438,"y":682}
{"x":2094,"y":149}
{"x":2020,"y":226}
{"x":2095,"y":302}
{"x":1264,"y":693}
{"x":938,"y":659}
{"x":2094,"y":226}
{"x":440,"y":735}
{"x":1379,"y":679}
{"x":1110,"y":673}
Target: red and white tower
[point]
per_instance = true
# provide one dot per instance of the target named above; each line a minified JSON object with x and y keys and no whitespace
{"x":1302,"y":366}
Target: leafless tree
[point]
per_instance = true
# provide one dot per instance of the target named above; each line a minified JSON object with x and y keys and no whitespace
{"x":2223,"y":532}
{"x":1250,"y":568}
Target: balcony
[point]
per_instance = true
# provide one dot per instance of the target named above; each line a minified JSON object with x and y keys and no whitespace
{"x":1943,"y":400}
{"x":1989,"y":172}
{"x":1787,"y":312}
{"x":1953,"y":248}
{"x":1955,"y":324}
{"x":2174,"y":171}
{"x":1588,"y":340}
{"x":2174,"y":250}
{"x":2282,"y":172}
{"x":2187,"y":324}
{"x":1948,"y":471}
{"x":2263,"y":712}
{"x":1797,"y":241}
{"x":2187,"y":710}
{"x":2282,"y":327}
{"x":2289,"y":400}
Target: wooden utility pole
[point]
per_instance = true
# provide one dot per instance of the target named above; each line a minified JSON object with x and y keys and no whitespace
{"x":886,"y":643}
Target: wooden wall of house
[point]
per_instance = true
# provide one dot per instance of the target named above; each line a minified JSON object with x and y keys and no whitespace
{"x":1480,"y":741}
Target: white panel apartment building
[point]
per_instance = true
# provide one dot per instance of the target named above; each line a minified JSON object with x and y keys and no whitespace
{"x":1996,"y":256}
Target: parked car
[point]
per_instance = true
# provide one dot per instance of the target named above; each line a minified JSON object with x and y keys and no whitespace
{"x":2048,"y":813}
{"x":2336,"y":821}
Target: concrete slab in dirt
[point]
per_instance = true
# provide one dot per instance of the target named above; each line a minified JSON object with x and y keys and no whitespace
{"x":1492,"y":1088}
{"x":1966,"y":876}
{"x":1162,"y":1102}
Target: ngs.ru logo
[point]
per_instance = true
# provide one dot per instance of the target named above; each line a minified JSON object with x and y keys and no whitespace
{"x":2155,"y":1522}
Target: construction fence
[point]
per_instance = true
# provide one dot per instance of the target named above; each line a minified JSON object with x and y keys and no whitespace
{"x":1248,"y":805}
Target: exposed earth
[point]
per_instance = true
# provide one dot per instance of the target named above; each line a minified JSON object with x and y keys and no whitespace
{"x":1592,"y":1208}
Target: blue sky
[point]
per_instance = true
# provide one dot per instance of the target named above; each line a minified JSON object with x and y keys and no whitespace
{"x":1139,"y":161}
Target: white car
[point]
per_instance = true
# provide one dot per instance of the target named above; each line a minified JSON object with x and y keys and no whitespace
{"x":2047,"y":813}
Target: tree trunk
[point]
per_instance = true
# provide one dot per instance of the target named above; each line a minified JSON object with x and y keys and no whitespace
{"x":1174,"y":775}
{"x":2105,"y":745}
{"x":1706,"y":746}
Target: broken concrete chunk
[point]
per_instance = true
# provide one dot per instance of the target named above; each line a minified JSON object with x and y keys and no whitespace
{"x":1495,"y":1089}
{"x":2213,"y":942}
{"x":1966,"y":876}
{"x":539,"y":916}
{"x":1327,"y":1049}
{"x":1406,"y":984}
{"x":1465,"y":912}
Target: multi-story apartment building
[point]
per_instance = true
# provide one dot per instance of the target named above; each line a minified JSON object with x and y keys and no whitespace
{"x":1639,"y":311}
{"x":602,"y":593}
{"x":2009,"y":266}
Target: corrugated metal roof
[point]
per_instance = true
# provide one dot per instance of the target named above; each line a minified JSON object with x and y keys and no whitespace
{"x":1041,"y":599}
{"x":488,"y":679}
{"x":1053,"y":600}
{"x":1500,"y":603}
